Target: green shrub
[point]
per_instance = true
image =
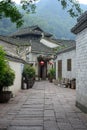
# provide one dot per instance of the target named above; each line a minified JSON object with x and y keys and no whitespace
{"x":28,"y":71}
{"x":7,"y":75}
{"x":3,"y":62}
{"x":52,"y":73}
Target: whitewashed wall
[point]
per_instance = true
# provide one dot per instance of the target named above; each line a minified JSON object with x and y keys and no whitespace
{"x":81,"y":49}
{"x":17,"y":67}
{"x":64,"y":56}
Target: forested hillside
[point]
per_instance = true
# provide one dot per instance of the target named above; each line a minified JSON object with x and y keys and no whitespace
{"x":49,"y":16}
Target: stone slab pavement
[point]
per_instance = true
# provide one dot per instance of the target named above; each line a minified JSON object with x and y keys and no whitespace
{"x":44,"y":107}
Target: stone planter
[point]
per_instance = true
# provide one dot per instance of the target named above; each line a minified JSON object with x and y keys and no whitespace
{"x":5,"y":96}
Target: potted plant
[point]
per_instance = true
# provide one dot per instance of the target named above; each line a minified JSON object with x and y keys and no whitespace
{"x":29,"y":75}
{"x":51,"y":74}
{"x":7,"y":77}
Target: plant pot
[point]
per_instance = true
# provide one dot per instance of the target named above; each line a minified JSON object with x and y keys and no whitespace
{"x":5,"y":96}
{"x":73,"y":83}
{"x":51,"y":80}
{"x":30,"y":83}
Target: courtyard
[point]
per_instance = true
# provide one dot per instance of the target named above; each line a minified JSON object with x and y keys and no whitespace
{"x":44,"y":107}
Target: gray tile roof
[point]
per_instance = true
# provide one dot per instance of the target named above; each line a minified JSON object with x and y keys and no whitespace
{"x":37,"y":46}
{"x":15,"y":58}
{"x":66,"y":43}
{"x":15,"y":41}
{"x":52,"y":40}
{"x":35,"y":30}
{"x":11,"y":53}
{"x":63,"y":50}
{"x":81,"y":23}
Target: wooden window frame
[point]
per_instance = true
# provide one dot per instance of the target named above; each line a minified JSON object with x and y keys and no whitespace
{"x":69,"y":64}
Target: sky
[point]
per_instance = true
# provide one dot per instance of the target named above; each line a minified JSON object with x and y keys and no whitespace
{"x":80,"y":1}
{"x":83,"y":1}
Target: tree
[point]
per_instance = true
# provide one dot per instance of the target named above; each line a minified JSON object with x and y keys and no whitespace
{"x":7,"y":75}
{"x":72,"y":6}
{"x":3,"y":61}
{"x":9,"y":9}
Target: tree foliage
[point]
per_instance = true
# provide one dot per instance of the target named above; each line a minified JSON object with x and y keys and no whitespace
{"x":9,"y":9}
{"x":28,"y":71}
{"x":7,"y":75}
{"x":72,"y":6}
{"x":3,"y":62}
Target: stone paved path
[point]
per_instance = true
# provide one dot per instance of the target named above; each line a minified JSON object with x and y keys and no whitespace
{"x":44,"y":107}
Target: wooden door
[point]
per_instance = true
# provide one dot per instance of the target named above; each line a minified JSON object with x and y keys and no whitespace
{"x":60,"y":69}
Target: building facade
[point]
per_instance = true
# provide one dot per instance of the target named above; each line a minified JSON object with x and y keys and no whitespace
{"x":80,"y":29}
{"x":14,"y":60}
{"x":66,"y":63}
{"x":42,"y":49}
{"x":66,"y":60}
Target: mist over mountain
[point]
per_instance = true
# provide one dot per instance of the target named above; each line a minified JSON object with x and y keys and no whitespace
{"x":49,"y":16}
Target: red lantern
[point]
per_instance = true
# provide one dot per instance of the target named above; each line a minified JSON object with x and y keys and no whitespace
{"x":42,"y":62}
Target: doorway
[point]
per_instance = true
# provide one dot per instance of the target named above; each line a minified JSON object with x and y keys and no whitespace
{"x":60,"y":69}
{"x":43,"y":71}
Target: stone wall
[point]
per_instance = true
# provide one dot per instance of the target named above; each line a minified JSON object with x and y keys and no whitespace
{"x":81,"y":49}
{"x":64,"y":56}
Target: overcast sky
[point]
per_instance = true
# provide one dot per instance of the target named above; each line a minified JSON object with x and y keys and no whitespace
{"x":81,"y":1}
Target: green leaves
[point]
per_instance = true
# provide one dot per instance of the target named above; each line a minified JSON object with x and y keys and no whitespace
{"x":52,"y":73}
{"x":7,"y":75}
{"x":28,"y":71}
{"x":28,"y":5}
{"x":3,"y":62}
{"x":64,"y":3}
{"x":9,"y":9}
{"x":72,"y":7}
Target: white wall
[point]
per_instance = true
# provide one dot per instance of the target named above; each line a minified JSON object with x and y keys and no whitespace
{"x":81,"y":49}
{"x":64,"y":56}
{"x":17,"y":67}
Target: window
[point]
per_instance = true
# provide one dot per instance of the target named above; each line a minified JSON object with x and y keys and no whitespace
{"x":68,"y":64}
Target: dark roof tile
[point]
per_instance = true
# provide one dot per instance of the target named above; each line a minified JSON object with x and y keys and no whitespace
{"x":81,"y":23}
{"x":15,"y":41}
{"x":35,"y":30}
{"x":40,"y":47}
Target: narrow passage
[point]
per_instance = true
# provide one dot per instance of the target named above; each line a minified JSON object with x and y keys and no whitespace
{"x":44,"y":107}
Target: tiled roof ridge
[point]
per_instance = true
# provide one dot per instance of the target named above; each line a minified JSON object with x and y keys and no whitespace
{"x":65,"y":40}
{"x":13,"y":41}
{"x":60,"y":41}
{"x":82,"y":17}
{"x":50,"y":39}
{"x":81,"y":23}
{"x":27,"y":29}
{"x":15,"y":58}
{"x":66,"y":49}
{"x":44,"y":45}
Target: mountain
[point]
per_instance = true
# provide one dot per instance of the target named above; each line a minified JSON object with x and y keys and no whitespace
{"x":49,"y":16}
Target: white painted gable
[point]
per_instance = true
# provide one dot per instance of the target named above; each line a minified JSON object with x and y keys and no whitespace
{"x":49,"y":43}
